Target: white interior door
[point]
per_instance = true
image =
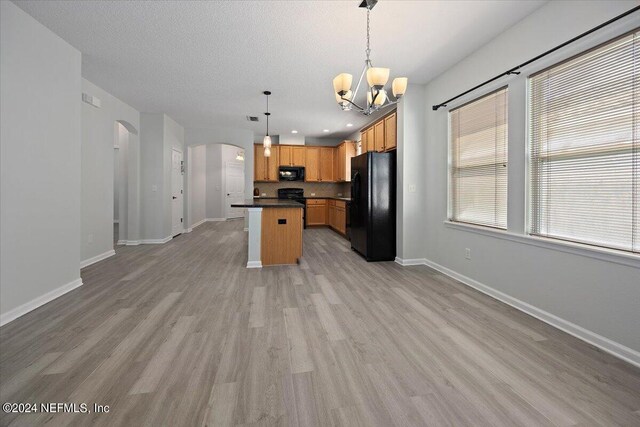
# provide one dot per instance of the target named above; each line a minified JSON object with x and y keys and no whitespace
{"x":176,"y":192}
{"x":234,"y":188}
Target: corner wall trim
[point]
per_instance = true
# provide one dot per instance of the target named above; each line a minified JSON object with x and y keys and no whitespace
{"x":605,"y":344}
{"x":23,"y":309}
{"x":254,"y":264}
{"x":215,"y":219}
{"x":93,"y":260}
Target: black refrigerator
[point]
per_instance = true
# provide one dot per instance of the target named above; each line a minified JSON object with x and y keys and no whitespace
{"x":373,"y":205}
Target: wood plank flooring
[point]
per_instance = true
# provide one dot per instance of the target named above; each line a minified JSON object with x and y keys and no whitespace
{"x":182,"y":334}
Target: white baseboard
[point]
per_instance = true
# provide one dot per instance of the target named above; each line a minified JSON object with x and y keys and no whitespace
{"x":615,"y":349}
{"x":93,"y":260}
{"x":12,"y":315}
{"x":254,"y":264}
{"x":156,"y":241}
{"x":411,"y":261}
{"x":215,"y":219}
{"x":131,"y":242}
{"x":199,"y":223}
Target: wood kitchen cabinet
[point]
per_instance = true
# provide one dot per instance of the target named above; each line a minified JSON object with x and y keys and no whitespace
{"x":291,"y":156}
{"x":342,"y":162}
{"x":378,"y":136}
{"x":312,"y":164}
{"x":370,"y":140}
{"x":319,"y":164}
{"x":326,"y":164}
{"x":337,"y":213}
{"x":316,"y":212}
{"x":390,"y":133}
{"x":265,"y":168}
{"x":381,"y":135}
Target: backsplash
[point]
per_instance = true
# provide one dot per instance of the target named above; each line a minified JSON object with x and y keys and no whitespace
{"x":329,"y":189}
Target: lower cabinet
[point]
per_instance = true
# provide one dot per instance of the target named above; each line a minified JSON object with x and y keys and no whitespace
{"x":317,"y":212}
{"x":328,"y":212}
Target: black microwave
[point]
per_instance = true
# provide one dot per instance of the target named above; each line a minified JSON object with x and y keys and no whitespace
{"x":291,"y":173}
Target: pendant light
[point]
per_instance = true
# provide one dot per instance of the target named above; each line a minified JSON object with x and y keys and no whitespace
{"x":266,"y":142}
{"x":376,"y":79}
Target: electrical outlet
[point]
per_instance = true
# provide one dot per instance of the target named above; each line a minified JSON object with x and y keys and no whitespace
{"x":339,"y":194}
{"x":264,"y":194}
{"x":467,"y":253}
{"x":313,"y":194}
{"x":412,"y":188}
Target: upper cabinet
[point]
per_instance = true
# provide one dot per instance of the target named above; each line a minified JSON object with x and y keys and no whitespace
{"x":265,"y":168}
{"x":326,"y":164}
{"x":312,"y":164}
{"x":291,"y":155}
{"x":390,"y":135}
{"x":342,"y":162}
{"x":380,"y":135}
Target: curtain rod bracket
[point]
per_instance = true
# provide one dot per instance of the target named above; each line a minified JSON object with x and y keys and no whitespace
{"x":513,"y":70}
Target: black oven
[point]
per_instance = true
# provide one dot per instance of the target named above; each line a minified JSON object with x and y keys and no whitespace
{"x":291,"y":173}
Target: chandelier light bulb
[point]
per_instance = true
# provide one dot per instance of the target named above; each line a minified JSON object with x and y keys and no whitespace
{"x":399,"y":86}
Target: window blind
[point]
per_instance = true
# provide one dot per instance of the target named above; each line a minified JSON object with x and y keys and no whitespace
{"x":585,"y":148}
{"x":478,"y":172}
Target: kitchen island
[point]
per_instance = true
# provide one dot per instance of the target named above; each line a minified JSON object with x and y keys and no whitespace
{"x":275,"y":231}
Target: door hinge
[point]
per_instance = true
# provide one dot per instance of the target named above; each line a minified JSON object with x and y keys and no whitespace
{"x":180,"y":219}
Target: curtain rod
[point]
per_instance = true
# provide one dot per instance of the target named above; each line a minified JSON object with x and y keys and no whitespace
{"x":514,"y":70}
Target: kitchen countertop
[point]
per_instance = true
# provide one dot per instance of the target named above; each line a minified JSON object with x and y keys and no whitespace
{"x":344,"y":199}
{"x":268,"y":203}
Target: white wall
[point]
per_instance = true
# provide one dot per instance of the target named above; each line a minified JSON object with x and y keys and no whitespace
{"x":411,"y":191}
{"x":40,"y":163}
{"x":159,"y":134}
{"x":238,"y":137}
{"x":100,"y":132}
{"x":217,"y":155}
{"x":198,"y":183}
{"x":591,"y":297}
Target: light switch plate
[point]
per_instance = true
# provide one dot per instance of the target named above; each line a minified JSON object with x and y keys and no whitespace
{"x":412,"y":188}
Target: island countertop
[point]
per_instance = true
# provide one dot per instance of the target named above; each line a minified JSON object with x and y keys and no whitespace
{"x":268,"y":203}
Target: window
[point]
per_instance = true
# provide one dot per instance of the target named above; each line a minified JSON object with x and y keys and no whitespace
{"x":478,"y":173}
{"x":585,"y":149}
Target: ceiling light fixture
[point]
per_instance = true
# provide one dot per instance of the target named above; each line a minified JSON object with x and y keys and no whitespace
{"x":294,"y":131}
{"x":266,"y":142}
{"x":325,"y":130}
{"x":349,"y":125}
{"x":377,"y":78}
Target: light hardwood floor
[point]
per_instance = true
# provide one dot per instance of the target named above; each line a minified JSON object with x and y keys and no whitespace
{"x":183,"y":334}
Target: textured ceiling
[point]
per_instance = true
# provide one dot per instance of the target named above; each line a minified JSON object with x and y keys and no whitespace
{"x":206,"y":63}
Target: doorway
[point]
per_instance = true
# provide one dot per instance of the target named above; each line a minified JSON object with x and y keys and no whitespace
{"x":177,"y":190}
{"x":234,"y":188}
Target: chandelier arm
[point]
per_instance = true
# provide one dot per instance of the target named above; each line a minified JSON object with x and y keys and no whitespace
{"x":355,"y":92}
{"x":352,"y":103}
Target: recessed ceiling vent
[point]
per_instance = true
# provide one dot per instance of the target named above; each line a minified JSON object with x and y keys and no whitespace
{"x":252,"y":118}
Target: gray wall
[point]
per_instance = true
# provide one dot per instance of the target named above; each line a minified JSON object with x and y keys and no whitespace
{"x":216,"y":157}
{"x":99,"y":134}
{"x":40,"y":163}
{"x":198,"y":183}
{"x":601,"y":297}
{"x":159,"y":134}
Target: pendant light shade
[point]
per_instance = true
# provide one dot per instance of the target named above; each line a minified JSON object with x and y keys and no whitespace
{"x":267,"y":152}
{"x":399,"y":86}
{"x":377,"y":77}
{"x":266,"y":142}
{"x":342,"y":83}
{"x":341,"y":100}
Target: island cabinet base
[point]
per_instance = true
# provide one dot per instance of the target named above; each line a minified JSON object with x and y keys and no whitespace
{"x":281,"y":241}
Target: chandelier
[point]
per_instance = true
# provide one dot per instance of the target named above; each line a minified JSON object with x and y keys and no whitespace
{"x":266,"y":142}
{"x":377,"y":97}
